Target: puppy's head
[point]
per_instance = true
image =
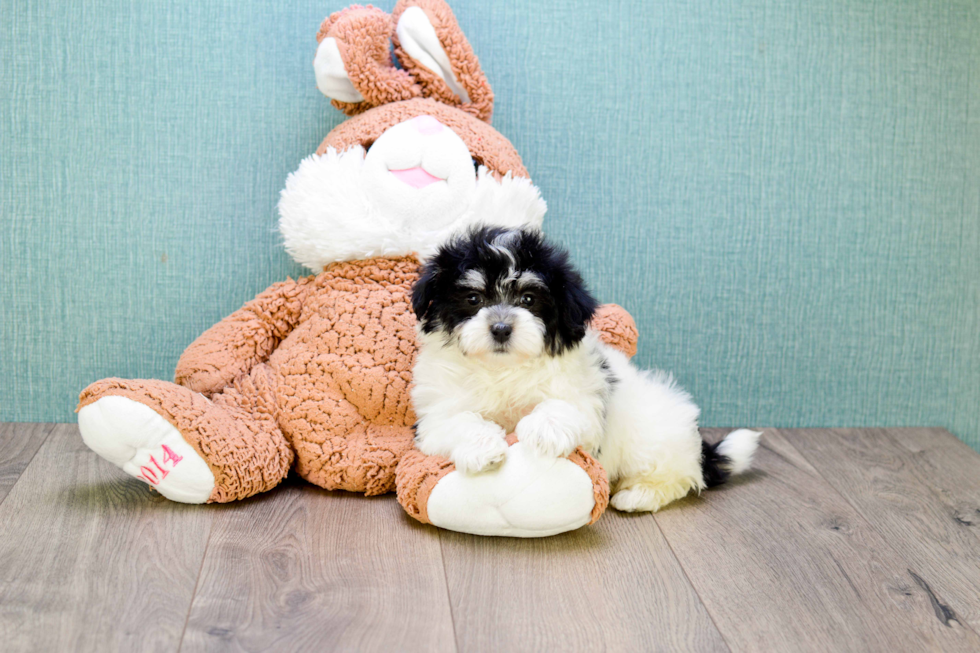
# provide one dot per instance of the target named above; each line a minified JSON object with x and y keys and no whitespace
{"x":496,"y":292}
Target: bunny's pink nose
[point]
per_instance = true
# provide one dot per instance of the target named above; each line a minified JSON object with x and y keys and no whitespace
{"x":416,"y":177}
{"x":427,"y":125}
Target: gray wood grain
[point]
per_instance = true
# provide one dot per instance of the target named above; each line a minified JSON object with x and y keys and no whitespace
{"x":614,"y":586}
{"x":18,"y":444}
{"x":783,"y":562}
{"x":300,"y":568}
{"x":948,"y":466}
{"x":925,"y":517}
{"x":90,"y":559}
{"x":842,"y":540}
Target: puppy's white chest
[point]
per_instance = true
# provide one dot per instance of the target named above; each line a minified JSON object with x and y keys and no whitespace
{"x":506,"y":395}
{"x":503,"y":391}
{"x":506,"y":405}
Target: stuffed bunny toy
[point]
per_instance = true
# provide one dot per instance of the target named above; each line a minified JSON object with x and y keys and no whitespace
{"x":314,"y":374}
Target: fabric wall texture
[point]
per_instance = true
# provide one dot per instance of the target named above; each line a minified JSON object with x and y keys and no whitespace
{"x":786,"y":195}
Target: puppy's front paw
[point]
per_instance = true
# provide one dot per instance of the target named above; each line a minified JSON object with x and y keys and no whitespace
{"x":480,"y":454}
{"x":554,"y":428}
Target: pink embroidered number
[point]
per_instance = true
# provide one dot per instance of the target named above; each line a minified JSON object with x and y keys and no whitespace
{"x":154,"y":476}
{"x":170,"y":456}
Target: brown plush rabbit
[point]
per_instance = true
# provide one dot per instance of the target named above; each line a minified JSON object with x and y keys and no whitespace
{"x":315,"y":373}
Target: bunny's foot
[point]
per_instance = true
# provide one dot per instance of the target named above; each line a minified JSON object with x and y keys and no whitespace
{"x":145,"y":445}
{"x":189,"y":448}
{"x":529,"y":495}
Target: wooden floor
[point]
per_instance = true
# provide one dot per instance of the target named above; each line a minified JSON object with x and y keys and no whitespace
{"x":841,"y":540}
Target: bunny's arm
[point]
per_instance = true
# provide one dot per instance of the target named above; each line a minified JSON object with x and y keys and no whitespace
{"x":245,"y":338}
{"x":616,"y":328}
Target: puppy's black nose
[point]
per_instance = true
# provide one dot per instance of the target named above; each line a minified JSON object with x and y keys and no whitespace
{"x":501,"y":332}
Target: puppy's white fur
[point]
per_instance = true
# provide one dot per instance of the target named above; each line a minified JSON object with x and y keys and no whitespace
{"x":555,"y":404}
{"x":643,"y":429}
{"x":471,"y":390}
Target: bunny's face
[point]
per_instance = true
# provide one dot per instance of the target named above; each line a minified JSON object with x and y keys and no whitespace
{"x":420,"y":165}
{"x":419,"y":160}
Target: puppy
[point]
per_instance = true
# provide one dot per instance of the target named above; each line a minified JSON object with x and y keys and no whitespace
{"x":505,"y":346}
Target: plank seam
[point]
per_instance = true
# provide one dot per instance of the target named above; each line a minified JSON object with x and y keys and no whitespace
{"x":44,"y":439}
{"x":449,"y":598}
{"x":197,"y":583}
{"x":691,"y":583}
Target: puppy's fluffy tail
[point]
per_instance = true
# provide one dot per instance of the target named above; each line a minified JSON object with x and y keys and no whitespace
{"x":733,"y":455}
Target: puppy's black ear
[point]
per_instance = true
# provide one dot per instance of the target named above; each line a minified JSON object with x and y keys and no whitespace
{"x":575,"y":304}
{"x":579,"y":305}
{"x":423,"y":292}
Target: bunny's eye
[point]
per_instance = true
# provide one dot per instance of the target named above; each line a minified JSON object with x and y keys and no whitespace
{"x":476,"y":166}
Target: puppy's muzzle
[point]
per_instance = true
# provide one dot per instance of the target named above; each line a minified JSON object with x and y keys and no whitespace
{"x":501,"y":332}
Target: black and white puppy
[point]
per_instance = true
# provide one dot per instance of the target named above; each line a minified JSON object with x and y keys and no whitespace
{"x":505,"y":345}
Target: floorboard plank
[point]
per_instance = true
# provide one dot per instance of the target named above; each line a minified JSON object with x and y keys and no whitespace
{"x":90,"y":559}
{"x":18,"y":444}
{"x":300,"y":568}
{"x":947,"y":465}
{"x":843,"y":540}
{"x":614,"y":586}
{"x":911,"y":502}
{"x":783,"y":562}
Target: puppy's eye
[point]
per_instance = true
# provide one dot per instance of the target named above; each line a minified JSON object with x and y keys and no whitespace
{"x":527,"y":300}
{"x":476,"y":166}
{"x":473,"y":299}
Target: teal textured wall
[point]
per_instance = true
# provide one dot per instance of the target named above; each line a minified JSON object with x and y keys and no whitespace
{"x":786,"y":195}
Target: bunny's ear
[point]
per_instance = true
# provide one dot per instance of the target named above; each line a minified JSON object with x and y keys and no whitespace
{"x":431,"y":46}
{"x":353,"y":62}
